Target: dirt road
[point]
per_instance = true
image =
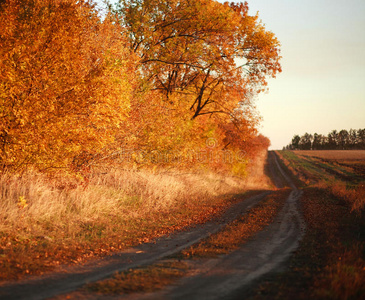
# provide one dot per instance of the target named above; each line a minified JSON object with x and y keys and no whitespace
{"x":226,"y":277}
{"x":231,"y":276}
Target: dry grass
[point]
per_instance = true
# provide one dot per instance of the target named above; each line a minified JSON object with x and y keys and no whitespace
{"x":257,"y":178}
{"x":344,"y":279}
{"x":330,"y":260}
{"x":334,"y":154}
{"x":355,"y":197}
{"x":115,"y":210}
{"x":336,"y":247}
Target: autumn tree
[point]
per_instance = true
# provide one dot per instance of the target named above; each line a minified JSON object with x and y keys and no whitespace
{"x":353,"y":138}
{"x":163,"y":75}
{"x":306,"y":142}
{"x":361,"y":138}
{"x":65,"y":83}
{"x":333,"y":139}
{"x":256,"y":144}
{"x":203,"y":62}
{"x":192,"y":48}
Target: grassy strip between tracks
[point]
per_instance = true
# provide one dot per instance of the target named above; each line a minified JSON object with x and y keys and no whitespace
{"x":156,"y":276}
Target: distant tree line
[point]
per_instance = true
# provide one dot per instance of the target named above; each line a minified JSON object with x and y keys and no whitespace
{"x":335,"y":140}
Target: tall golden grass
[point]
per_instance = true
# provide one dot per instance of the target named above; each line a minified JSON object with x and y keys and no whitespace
{"x":117,"y":208}
{"x":37,"y":202}
{"x":355,"y":196}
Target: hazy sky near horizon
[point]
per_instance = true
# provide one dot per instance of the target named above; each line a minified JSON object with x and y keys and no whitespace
{"x":322,"y":86}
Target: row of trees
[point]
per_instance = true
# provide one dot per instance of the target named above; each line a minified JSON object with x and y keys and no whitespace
{"x":335,"y":140}
{"x":76,"y":88}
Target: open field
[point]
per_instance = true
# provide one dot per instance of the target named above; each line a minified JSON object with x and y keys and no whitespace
{"x":334,"y":154}
{"x":344,"y":176}
{"x":344,"y":165}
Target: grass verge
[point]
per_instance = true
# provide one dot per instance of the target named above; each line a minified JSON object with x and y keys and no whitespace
{"x":46,"y":223}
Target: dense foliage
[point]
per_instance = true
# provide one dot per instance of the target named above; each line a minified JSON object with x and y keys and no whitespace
{"x":65,"y":84}
{"x":162,"y":81}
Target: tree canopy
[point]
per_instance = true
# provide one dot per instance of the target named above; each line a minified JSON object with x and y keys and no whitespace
{"x":77,"y":88}
{"x":214,"y":54}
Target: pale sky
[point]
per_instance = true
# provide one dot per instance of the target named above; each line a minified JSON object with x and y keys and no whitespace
{"x":322,"y":86}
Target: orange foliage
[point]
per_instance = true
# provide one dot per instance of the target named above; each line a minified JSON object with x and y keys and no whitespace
{"x":153,"y":78}
{"x":65,"y":83}
{"x":193,"y":47}
{"x":204,"y":61}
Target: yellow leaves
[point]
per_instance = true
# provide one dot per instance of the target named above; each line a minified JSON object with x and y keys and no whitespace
{"x":71,"y":92}
{"x":67,"y":85}
{"x":22,"y":202}
{"x":190,"y":47}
